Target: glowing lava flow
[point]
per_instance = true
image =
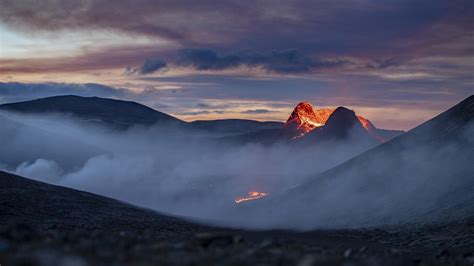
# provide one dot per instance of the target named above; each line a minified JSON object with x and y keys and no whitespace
{"x":253,"y":195}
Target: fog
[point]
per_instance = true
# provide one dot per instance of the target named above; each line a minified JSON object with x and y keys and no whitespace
{"x":426,"y":176}
{"x":180,"y":172}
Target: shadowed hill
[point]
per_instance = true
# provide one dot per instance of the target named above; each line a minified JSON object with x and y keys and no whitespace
{"x":125,"y":114}
{"x":341,"y":124}
{"x":116,"y":113}
{"x":50,"y":225}
{"x":234,"y":126}
{"x":45,"y":206}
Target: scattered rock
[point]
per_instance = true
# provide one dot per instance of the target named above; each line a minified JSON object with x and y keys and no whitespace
{"x":4,"y":245}
{"x":217,"y":238}
{"x":394,"y":251}
{"x":469,"y":258}
{"x":417,"y":261}
{"x":46,"y":257}
{"x":307,"y":260}
{"x":347,"y":253}
{"x":443,"y":253}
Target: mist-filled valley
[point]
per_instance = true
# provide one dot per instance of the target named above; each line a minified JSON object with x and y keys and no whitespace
{"x":167,"y":169}
{"x":199,"y":172}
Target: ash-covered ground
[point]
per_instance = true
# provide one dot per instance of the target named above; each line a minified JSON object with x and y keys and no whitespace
{"x":50,"y":225}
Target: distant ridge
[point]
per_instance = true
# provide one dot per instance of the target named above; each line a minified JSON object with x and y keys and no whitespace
{"x":121,"y":114}
{"x":116,"y":113}
{"x":305,"y":118}
{"x":342,"y":124}
{"x":234,"y":126}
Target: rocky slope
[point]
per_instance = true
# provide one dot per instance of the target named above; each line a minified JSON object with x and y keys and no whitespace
{"x":49,"y":225}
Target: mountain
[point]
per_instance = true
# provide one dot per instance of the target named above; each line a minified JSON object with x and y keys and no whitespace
{"x":383,"y":135}
{"x":302,"y":120}
{"x":424,"y":175}
{"x":120,"y":114}
{"x":305,"y":123}
{"x":305,"y":118}
{"x":234,"y":126}
{"x":341,"y":125}
{"x":265,"y":137}
{"x":116,"y":113}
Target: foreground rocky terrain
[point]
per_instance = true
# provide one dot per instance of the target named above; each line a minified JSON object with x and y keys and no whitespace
{"x":44,"y":224}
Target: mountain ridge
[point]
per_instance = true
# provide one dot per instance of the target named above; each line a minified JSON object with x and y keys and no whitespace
{"x":121,"y":114}
{"x":305,"y":118}
{"x":116,"y":113}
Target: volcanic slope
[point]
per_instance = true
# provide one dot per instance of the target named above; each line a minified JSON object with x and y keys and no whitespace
{"x":423,"y":176}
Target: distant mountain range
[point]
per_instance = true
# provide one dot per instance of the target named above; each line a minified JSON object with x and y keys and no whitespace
{"x":341,"y":124}
{"x":234,"y":126}
{"x":309,"y":125}
{"x":120,"y":114}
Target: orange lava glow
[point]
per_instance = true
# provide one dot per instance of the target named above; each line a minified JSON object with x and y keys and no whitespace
{"x":365,"y":123}
{"x":253,"y":195}
{"x":305,"y":119}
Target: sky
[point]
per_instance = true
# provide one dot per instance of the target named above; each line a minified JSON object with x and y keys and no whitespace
{"x":398,"y":63}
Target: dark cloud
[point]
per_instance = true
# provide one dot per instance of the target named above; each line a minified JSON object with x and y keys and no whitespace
{"x":206,"y":59}
{"x":203,"y":105}
{"x":214,"y":105}
{"x":385,"y":63}
{"x":204,"y":112}
{"x":284,"y":61}
{"x":285,"y":37}
{"x":257,"y":111}
{"x":323,"y":26}
{"x":97,"y":60}
{"x":151,"y":65}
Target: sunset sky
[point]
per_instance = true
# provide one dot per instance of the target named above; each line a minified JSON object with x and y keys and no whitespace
{"x":398,"y":63}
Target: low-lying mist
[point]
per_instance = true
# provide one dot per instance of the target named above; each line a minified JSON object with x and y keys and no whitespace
{"x":169,"y":169}
{"x":178,"y":171}
{"x":426,"y":176}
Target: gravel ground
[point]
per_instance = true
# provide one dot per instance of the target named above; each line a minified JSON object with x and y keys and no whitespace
{"x":48,"y":225}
